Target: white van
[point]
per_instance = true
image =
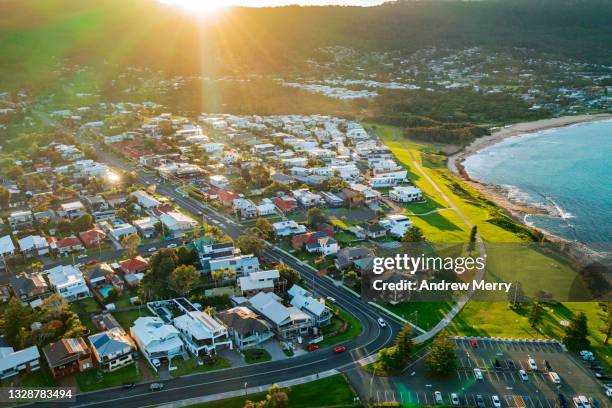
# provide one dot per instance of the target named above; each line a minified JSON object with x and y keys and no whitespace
{"x":554,"y":377}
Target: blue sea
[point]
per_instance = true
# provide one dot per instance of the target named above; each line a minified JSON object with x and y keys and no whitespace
{"x":566,"y":170}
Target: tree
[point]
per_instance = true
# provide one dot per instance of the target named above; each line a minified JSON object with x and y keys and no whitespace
{"x":186,"y":256}
{"x":131,"y":243}
{"x":17,"y":317}
{"x":442,"y":358}
{"x":251,"y":244}
{"x":576,"y":333}
{"x":404,"y":342}
{"x":5,"y":197}
{"x":264,"y":228}
{"x":413,"y":235}
{"x":536,"y":314}
{"x":289,"y":274}
{"x":516,"y":295}
{"x":183,"y":278}
{"x":315,"y":217}
{"x":389,"y":358}
{"x":473,"y":234}
{"x":277,"y":397}
{"x":605,"y":315}
{"x":82,"y":223}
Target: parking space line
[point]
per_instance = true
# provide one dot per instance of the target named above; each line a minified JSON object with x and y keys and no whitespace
{"x":417,"y":398}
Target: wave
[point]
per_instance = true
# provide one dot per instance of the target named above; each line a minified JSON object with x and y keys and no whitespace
{"x":546,"y":203}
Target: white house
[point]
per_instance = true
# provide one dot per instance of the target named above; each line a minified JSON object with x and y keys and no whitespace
{"x":202,"y":333}
{"x":15,"y":362}
{"x":212,"y":147}
{"x":244,"y":208}
{"x":287,"y":322}
{"x":266,"y":207}
{"x":158,"y":341}
{"x":303,"y":300}
{"x":396,"y":224}
{"x":7,"y":247}
{"x":90,"y":168}
{"x":388,"y":178}
{"x":288,"y":228}
{"x":118,"y":229}
{"x":20,"y":219}
{"x":260,"y":281}
{"x":177,"y":223}
{"x":68,"y":281}
{"x":324,"y":246}
{"x":240,"y":264}
{"x":406,"y":194}
{"x":146,"y":226}
{"x":145,"y":200}
{"x":219,"y":181}
{"x":307,"y":198}
{"x":112,"y":349}
{"x":72,"y":210}
{"x":34,"y":245}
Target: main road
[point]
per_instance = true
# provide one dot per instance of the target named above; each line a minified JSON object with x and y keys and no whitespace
{"x":368,"y":342}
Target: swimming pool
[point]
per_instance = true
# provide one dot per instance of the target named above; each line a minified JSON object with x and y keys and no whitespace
{"x":105,"y":290}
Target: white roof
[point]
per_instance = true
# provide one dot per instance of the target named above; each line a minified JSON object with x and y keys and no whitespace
{"x":9,"y":358}
{"x":32,"y":242}
{"x":259,"y":280}
{"x":150,"y":329}
{"x":268,"y":304}
{"x":145,"y":199}
{"x":200,"y":325}
{"x":6,"y":245}
{"x":174,"y":218}
{"x":64,"y":275}
{"x":75,"y":205}
{"x":302,"y":299}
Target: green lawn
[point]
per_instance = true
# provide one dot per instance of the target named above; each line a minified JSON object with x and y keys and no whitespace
{"x":353,"y":329}
{"x":191,"y":366}
{"x":95,"y":379}
{"x":85,"y":308}
{"x":253,"y":356}
{"x":126,"y":319}
{"x":423,"y":314}
{"x":333,"y":391}
{"x":39,"y":378}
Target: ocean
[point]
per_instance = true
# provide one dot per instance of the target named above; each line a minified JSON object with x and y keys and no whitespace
{"x":566,"y":170}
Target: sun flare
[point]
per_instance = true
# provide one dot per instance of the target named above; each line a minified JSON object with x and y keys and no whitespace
{"x":200,"y":6}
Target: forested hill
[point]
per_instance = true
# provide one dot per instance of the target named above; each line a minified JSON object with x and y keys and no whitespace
{"x":34,"y":32}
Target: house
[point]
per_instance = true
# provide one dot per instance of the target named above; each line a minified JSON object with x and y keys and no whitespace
{"x":7,"y":247}
{"x":286,"y":322}
{"x":17,"y":362}
{"x":306,"y":198}
{"x":244,"y":208}
{"x":145,"y":226}
{"x":303,"y":300}
{"x":112,"y":349}
{"x":406,"y":194}
{"x":369,"y":195}
{"x":72,"y":210}
{"x":332,"y":199}
{"x":33,"y":245}
{"x":298,"y":241}
{"x":226,"y":198}
{"x":105,"y":321}
{"x":177,"y":223}
{"x":158,"y":341}
{"x":240,"y":264}
{"x":66,"y":245}
{"x":134,"y":265}
{"x":260,"y":281}
{"x":324,"y":246}
{"x":345,"y":257}
{"x":68,"y":356}
{"x":267,"y":207}
{"x":68,"y":281}
{"x":20,"y":219}
{"x":93,"y":237}
{"x":27,"y":287}
{"x":145,"y":200}
{"x":100,"y":275}
{"x":396,"y":224}
{"x":373,"y":230}
{"x":218,"y":181}
{"x":202,"y":333}
{"x":118,"y":229}
{"x":245,"y":328}
{"x":285,"y":204}
{"x":288,"y":228}
{"x":209,"y":249}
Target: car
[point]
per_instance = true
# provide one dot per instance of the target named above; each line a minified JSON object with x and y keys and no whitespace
{"x":510,"y":363}
{"x":331,"y":300}
{"x":577,"y":402}
{"x":156,"y":386}
{"x":438,"y":397}
{"x":172,"y":245}
{"x":478,"y":374}
{"x":562,"y":400}
{"x":200,"y":213}
{"x":532,"y":364}
{"x":496,"y":363}
{"x":92,"y":262}
{"x":128,"y":386}
{"x":480,"y":401}
{"x":455,"y":399}
{"x":152,"y":249}
{"x":547,"y":365}
{"x":156,"y":362}
{"x":594,"y":403}
{"x":82,"y":256}
{"x":554,"y":377}
{"x":474,"y":343}
{"x":523,"y":375}
{"x":585,"y":401}
{"x":496,"y":402}
{"x":339,"y":349}
{"x":601,"y":375}
{"x":381,"y":322}
{"x":585,"y":352}
{"x":312,"y":347}
{"x":609,"y":392}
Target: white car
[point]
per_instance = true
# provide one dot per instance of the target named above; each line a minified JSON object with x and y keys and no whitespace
{"x":438,"y":397}
{"x":496,"y":402}
{"x":82,"y":256}
{"x":381,"y":322}
{"x":478,"y":374}
{"x":152,"y":249}
{"x":585,"y":401}
{"x":172,"y":246}
{"x":532,"y":364}
{"x":455,"y":399}
{"x":554,"y":377}
{"x":523,"y":375}
{"x":331,"y":300}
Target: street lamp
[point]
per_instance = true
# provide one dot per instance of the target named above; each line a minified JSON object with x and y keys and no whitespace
{"x":245,"y":388}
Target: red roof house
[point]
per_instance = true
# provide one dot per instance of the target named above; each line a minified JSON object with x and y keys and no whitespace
{"x":285,"y":204}
{"x":134,"y":265}
{"x":92,"y":237}
{"x":226,"y":197}
{"x":68,"y":244}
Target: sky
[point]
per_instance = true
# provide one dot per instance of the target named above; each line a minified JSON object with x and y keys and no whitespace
{"x":210,"y":4}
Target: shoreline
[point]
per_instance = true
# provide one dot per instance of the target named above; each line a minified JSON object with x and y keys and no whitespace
{"x":518,"y":210}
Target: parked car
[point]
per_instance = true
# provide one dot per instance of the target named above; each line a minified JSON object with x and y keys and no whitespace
{"x":339,"y":349}
{"x":562,"y":400}
{"x":585,"y":401}
{"x":455,"y":399}
{"x":523,"y":375}
{"x":496,"y":402}
{"x":510,"y":363}
{"x":474,"y":343}
{"x":381,"y":322}
{"x":156,"y":386}
{"x":480,"y":401}
{"x":438,"y":397}
{"x":554,"y":377}
{"x":82,"y":256}
{"x":331,"y":300}
{"x":532,"y":364}
{"x":496,"y":363}
{"x":92,"y":262}
{"x":172,"y":245}
{"x":152,"y":249}
{"x":156,"y":362}
{"x":478,"y":374}
{"x":312,"y":347}
{"x":128,"y":386}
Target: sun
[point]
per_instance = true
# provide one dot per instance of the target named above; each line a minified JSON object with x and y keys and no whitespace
{"x":200,"y":6}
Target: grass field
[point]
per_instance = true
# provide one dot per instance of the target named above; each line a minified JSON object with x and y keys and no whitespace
{"x":191,"y":366}
{"x":333,"y":391}
{"x":126,"y":319}
{"x":95,"y":379}
{"x":423,"y":314}
{"x":253,"y":356}
{"x":353,"y":329}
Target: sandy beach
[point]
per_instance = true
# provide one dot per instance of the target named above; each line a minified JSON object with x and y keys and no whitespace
{"x":495,"y":193}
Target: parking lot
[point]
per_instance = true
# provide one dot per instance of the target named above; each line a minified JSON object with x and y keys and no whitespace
{"x":499,"y":362}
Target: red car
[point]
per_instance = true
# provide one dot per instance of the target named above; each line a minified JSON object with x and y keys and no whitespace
{"x":339,"y":349}
{"x":92,"y":262}
{"x":312,"y":347}
{"x":474,"y":343}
